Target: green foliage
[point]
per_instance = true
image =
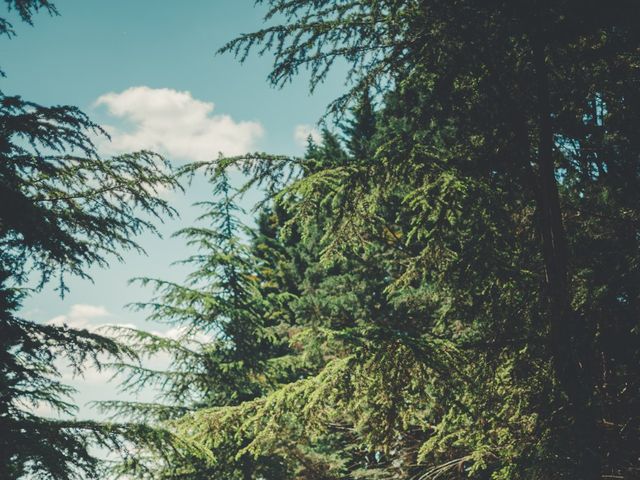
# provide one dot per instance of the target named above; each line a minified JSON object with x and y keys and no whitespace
{"x":447,"y":288}
{"x":62,"y":212}
{"x":229,"y":312}
{"x":63,"y":208}
{"x":500,"y":221}
{"x":459,"y":277}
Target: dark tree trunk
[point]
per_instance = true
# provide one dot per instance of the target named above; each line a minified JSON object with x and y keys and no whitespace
{"x":566,"y":346}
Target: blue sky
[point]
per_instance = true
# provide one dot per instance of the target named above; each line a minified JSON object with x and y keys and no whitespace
{"x":148,"y":72}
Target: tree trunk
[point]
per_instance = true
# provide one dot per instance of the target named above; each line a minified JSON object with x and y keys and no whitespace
{"x":564,"y":328}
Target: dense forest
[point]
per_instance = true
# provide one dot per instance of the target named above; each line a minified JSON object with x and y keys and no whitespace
{"x":446,"y":285}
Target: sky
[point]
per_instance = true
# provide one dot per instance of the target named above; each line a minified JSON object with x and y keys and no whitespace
{"x":147,"y":71}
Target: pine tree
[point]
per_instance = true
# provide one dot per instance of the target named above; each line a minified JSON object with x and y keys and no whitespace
{"x":304,"y":302}
{"x":224,"y":354}
{"x":293,"y":301}
{"x":63,"y":209}
{"x":361,"y":128}
{"x":505,"y":136}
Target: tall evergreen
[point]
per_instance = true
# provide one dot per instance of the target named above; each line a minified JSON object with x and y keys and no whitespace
{"x":361,"y":127}
{"x":225,"y":353}
{"x":308,"y":312}
{"x":448,"y":289}
{"x":505,"y":136}
{"x":63,"y":209}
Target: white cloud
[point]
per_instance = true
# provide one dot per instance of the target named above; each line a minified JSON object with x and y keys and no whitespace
{"x":96,"y":319}
{"x":81,"y":316}
{"x":43,"y":410}
{"x":186,"y":334}
{"x":301,"y":134}
{"x":92,"y":318}
{"x":175,"y":124}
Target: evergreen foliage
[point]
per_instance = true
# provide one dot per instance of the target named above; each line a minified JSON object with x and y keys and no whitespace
{"x":469,"y":299}
{"x":448,"y":287}
{"x":62,"y":209}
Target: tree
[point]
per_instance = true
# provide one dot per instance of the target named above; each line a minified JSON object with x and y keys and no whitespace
{"x":506,"y":135}
{"x":63,"y":208}
{"x":225,"y":352}
{"x":268,"y":329}
{"x":373,"y":311}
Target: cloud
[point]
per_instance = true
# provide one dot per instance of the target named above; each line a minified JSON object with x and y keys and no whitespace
{"x":185,"y":334}
{"x":97,"y":319}
{"x":92,"y":318}
{"x":81,"y":316}
{"x":175,"y":124}
{"x":301,"y":134}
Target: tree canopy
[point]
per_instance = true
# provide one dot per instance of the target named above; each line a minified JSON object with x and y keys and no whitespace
{"x":63,"y":209}
{"x":446,"y":285}
{"x":495,"y":206}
